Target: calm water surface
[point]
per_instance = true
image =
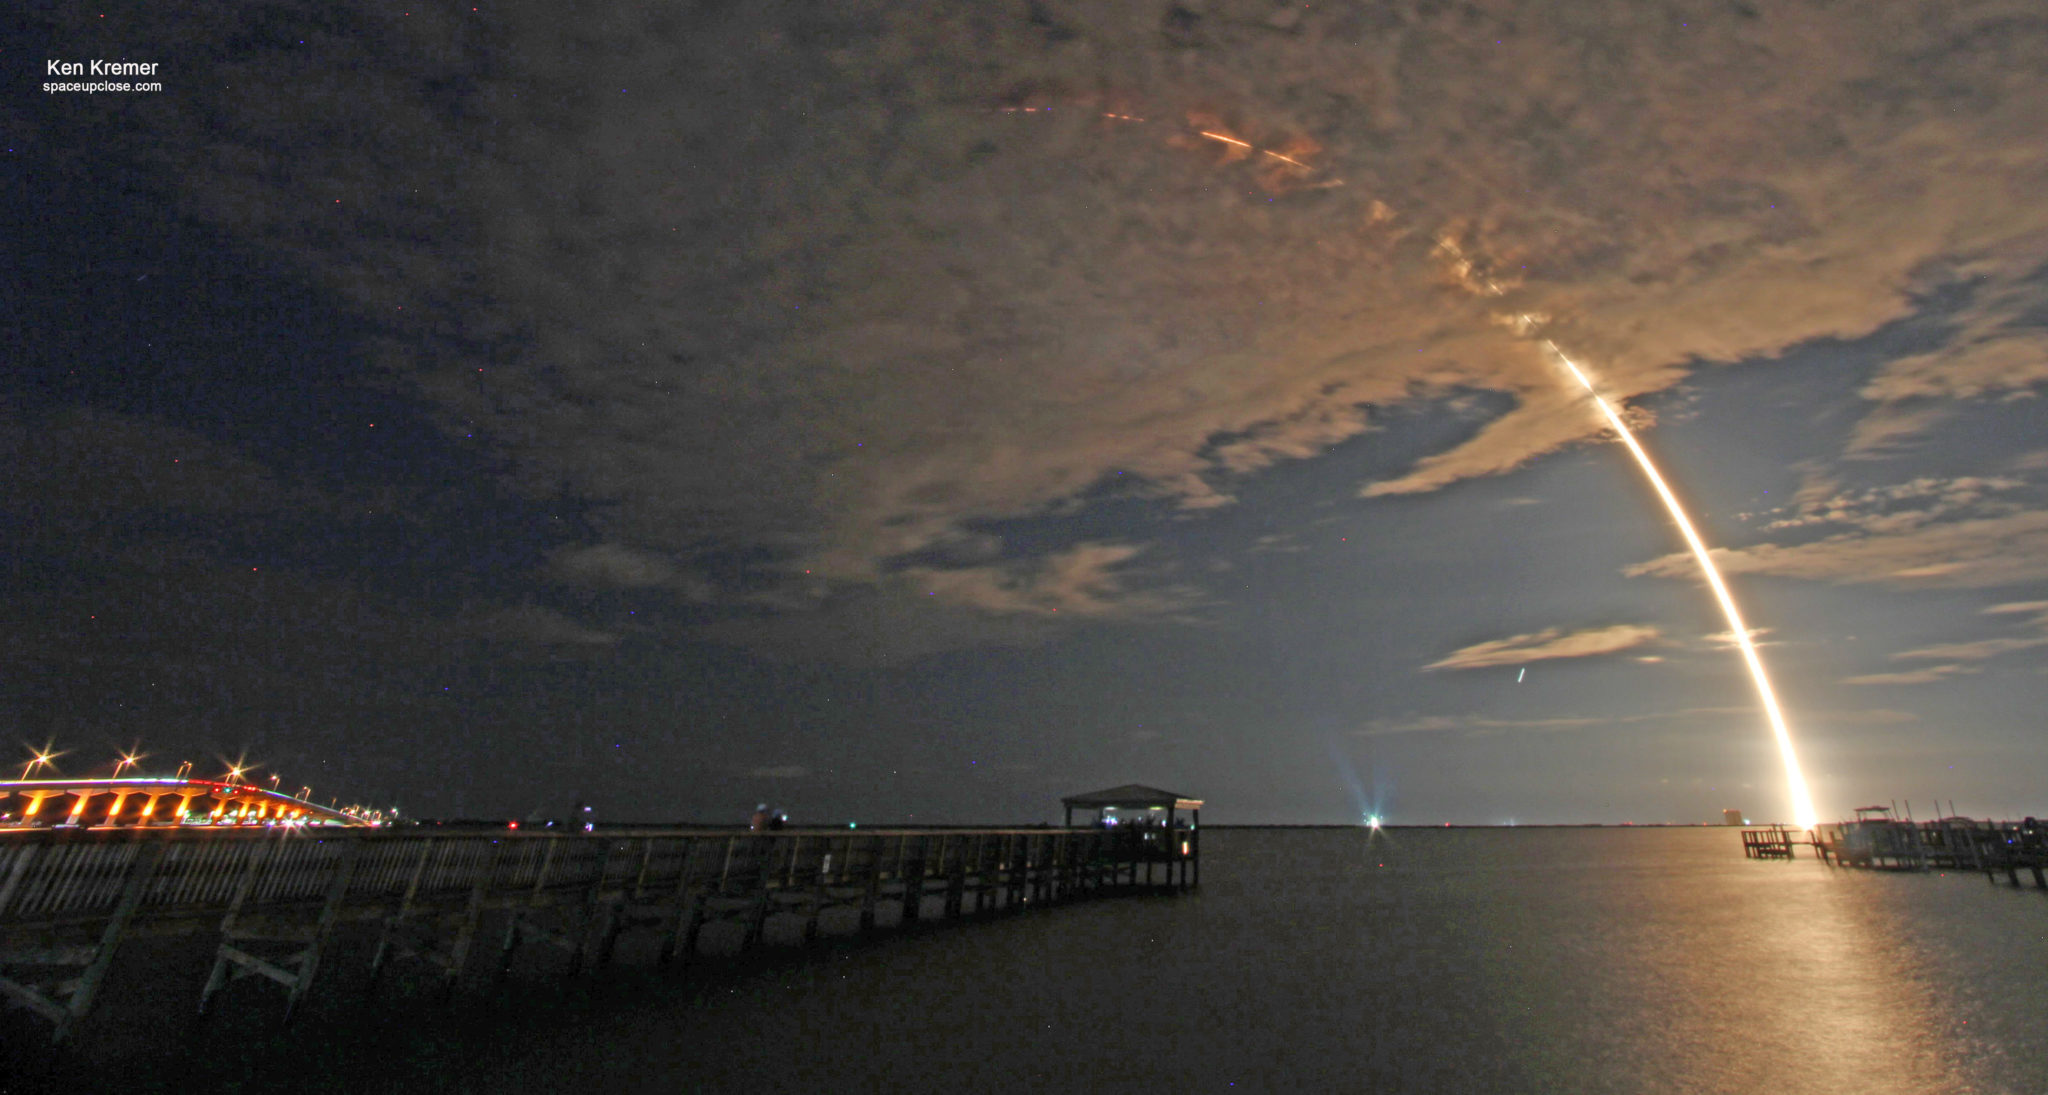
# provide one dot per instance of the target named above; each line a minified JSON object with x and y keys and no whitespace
{"x":1506,"y":960}
{"x":1560,"y":960}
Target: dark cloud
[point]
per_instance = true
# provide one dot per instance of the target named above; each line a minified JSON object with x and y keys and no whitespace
{"x":780,"y":771}
{"x":615,"y":566}
{"x":82,"y":466}
{"x":536,"y":624}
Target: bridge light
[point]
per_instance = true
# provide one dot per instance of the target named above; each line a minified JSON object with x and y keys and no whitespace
{"x":43,"y":757}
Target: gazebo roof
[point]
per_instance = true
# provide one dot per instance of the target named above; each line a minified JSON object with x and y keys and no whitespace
{"x":1130,"y":796}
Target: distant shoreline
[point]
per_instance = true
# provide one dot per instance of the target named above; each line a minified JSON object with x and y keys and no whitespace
{"x":1532,"y":825}
{"x":811,"y":829}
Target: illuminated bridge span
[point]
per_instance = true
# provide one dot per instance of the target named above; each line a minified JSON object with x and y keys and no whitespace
{"x":272,"y":897}
{"x":139,"y":802}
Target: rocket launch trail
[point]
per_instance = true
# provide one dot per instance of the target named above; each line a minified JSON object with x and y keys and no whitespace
{"x":1803,"y":813}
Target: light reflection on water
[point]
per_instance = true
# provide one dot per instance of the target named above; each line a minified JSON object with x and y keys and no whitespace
{"x":1418,"y":960}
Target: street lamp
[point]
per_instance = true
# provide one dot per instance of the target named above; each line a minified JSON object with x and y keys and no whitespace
{"x":42,"y":758}
{"x":305,"y":793}
{"x":128,"y":760}
{"x":184,"y":769}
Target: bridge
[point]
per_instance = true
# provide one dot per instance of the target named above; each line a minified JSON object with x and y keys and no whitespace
{"x":140,"y":802}
{"x":274,"y":894}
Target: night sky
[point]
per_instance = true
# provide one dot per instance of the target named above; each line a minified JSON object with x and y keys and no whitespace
{"x":916,"y":410}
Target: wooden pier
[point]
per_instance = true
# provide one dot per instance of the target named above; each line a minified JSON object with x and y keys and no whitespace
{"x":1773,"y":842}
{"x":272,"y":898}
{"x":1876,"y":841}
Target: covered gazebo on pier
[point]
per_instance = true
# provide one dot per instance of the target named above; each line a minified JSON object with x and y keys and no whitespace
{"x":1150,"y":826}
{"x":1134,"y":798}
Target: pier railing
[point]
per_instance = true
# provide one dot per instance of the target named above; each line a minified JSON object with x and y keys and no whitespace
{"x":68,"y":897}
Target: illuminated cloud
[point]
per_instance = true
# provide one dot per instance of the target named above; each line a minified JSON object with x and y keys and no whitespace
{"x":1891,"y":429}
{"x":613,"y":565}
{"x":1974,"y":651}
{"x":1915,"y":676}
{"x":1083,"y":581}
{"x":1894,"y":507}
{"x":1437,"y":724}
{"x":1997,"y":348}
{"x":1726,"y":639}
{"x":1546,"y":644}
{"x":792,"y":280}
{"x":1981,"y":553}
{"x":1487,"y":724}
{"x":1980,"y":649}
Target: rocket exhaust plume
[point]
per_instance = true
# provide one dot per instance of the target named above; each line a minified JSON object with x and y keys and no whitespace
{"x":1803,"y":814}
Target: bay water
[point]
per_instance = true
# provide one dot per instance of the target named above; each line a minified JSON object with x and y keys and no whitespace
{"x":1481,"y":960}
{"x":1404,"y":960}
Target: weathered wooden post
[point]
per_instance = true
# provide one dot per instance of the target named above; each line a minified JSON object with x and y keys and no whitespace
{"x":330,"y":910}
{"x":912,"y":874}
{"x":680,"y":903}
{"x":1063,"y":867}
{"x":873,"y":890}
{"x":757,"y":913}
{"x":238,"y":956}
{"x":68,"y":1000}
{"x":472,"y":918}
{"x":1013,"y":871}
{"x":576,"y":935}
{"x":956,"y":875}
{"x":255,"y":854}
{"x":698,"y":910}
{"x":1041,"y":868}
{"x":983,"y":872}
{"x":393,"y":924}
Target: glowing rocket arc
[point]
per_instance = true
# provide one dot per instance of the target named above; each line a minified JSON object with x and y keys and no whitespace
{"x":1473,"y":278}
{"x":1803,"y":813}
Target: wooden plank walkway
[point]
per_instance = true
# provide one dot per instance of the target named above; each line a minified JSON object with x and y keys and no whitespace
{"x":67,"y":898}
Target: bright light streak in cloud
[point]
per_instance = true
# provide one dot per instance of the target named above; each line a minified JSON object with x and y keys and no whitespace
{"x":1803,"y":814}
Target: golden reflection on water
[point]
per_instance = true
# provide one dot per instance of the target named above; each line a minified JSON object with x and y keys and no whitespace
{"x":1773,"y":977}
{"x":1540,"y":961}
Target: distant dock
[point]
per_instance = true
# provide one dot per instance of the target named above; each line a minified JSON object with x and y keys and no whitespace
{"x":1877,"y":841}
